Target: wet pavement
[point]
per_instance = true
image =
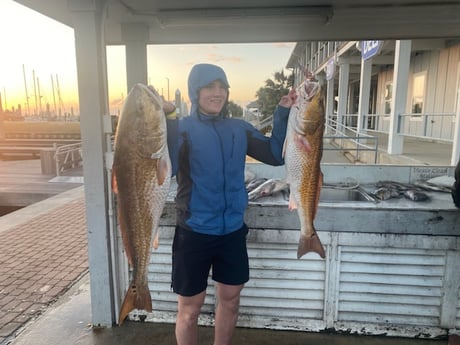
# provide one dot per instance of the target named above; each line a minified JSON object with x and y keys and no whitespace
{"x":41,"y":257}
{"x":68,"y":322}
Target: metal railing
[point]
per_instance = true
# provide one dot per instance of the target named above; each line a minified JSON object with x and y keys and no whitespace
{"x":68,"y":157}
{"x":346,"y":138}
{"x":438,"y":126}
{"x":433,"y":126}
{"x":350,"y":140}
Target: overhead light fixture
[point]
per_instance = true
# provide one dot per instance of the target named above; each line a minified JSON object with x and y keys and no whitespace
{"x":184,"y":17}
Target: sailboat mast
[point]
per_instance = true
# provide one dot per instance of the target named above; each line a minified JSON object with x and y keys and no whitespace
{"x":25,"y":86}
{"x":54,"y":95}
{"x":59,"y":95}
{"x":35,"y":91}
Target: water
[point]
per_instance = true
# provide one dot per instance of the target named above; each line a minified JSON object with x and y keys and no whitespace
{"x":8,"y":209}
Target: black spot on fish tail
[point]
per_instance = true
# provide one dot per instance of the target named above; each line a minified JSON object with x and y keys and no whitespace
{"x":137,"y":297}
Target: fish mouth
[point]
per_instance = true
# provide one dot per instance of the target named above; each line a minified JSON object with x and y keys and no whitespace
{"x":153,"y":93}
{"x":311,"y":88}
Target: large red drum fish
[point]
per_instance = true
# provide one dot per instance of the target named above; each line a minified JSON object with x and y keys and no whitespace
{"x":141,"y":176}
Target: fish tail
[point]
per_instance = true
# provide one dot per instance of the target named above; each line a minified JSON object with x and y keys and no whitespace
{"x":310,"y":244}
{"x":137,"y":297}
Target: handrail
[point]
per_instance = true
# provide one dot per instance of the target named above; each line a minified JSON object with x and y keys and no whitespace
{"x":342,"y":135}
{"x":359,"y":140}
{"x":416,"y":125}
{"x":68,"y":157}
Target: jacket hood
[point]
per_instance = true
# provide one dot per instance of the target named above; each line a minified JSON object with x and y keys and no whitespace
{"x":200,"y":76}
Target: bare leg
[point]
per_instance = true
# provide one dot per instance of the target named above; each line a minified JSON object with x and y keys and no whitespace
{"x":187,"y":318}
{"x":228,"y":302}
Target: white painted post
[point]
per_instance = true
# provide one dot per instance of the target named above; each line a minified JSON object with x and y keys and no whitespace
{"x":451,"y":285}
{"x":398,"y":103}
{"x":92,"y":88}
{"x":456,"y":144}
{"x":135,"y":37}
{"x":364,"y":92}
{"x":329,"y":102}
{"x":344,"y":75}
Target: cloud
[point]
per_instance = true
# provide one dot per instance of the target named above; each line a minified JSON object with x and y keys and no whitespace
{"x":220,"y":58}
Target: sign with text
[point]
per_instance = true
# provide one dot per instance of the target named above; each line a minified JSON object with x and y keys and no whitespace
{"x":370,"y":48}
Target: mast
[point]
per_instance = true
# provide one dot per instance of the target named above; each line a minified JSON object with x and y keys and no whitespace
{"x":59,"y":95}
{"x":35,"y":91}
{"x":25,"y":86}
{"x":54,"y":95}
{"x":39,"y":98}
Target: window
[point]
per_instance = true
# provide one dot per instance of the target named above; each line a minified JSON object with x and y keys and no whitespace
{"x":418,"y":93}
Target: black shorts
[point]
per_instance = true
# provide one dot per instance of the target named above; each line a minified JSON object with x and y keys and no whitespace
{"x":194,"y":254}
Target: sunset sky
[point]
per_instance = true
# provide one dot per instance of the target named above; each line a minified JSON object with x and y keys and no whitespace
{"x":32,"y":44}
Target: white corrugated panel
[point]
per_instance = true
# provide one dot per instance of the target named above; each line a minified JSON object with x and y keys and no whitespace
{"x":380,"y":283}
{"x":390,"y":285}
{"x":457,"y":323}
{"x":281,"y":286}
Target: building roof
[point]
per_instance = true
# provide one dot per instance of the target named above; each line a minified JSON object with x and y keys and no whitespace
{"x":232,"y":21}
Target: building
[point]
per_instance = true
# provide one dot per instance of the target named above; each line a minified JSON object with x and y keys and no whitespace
{"x":397,"y":88}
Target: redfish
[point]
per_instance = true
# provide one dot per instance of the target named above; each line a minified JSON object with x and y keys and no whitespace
{"x":302,"y":153}
{"x":141,"y":176}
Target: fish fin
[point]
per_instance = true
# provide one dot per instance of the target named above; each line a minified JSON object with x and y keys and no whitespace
{"x":292,"y":203}
{"x":156,"y":241}
{"x":162,"y":170}
{"x":302,"y":143}
{"x":137,"y":297}
{"x":114,"y":182}
{"x":310,"y":244}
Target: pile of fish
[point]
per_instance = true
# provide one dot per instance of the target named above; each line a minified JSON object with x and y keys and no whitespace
{"x":141,"y":175}
{"x":412,"y":191}
{"x":263,"y":187}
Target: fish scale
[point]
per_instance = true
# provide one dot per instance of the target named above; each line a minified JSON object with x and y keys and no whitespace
{"x":302,"y":154}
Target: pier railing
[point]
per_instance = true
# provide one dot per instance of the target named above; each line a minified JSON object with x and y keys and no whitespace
{"x":68,"y":157}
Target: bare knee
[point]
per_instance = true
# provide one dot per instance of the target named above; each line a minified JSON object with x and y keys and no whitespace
{"x":189,"y":308}
{"x":229,"y":296}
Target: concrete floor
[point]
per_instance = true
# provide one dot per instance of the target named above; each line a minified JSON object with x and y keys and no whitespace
{"x":69,"y":322}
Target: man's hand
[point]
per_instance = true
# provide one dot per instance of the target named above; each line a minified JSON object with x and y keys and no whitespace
{"x":168,"y":107}
{"x":288,"y":100}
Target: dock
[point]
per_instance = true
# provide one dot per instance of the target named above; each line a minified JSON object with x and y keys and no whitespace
{"x":23,"y":184}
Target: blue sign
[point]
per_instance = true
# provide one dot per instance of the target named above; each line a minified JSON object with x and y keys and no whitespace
{"x":370,"y":48}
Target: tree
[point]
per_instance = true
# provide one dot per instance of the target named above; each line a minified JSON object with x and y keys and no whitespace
{"x":235,"y":110}
{"x":269,"y":95}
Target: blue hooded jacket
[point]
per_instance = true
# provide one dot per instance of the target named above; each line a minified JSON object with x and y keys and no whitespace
{"x":208,"y":154}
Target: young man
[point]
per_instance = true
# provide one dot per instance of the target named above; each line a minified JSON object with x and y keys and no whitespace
{"x":208,"y":152}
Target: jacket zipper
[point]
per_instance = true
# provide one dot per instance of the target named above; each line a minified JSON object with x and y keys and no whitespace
{"x":223,"y":172}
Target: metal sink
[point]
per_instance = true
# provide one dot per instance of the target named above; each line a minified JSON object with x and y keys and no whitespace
{"x":334,"y":195}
